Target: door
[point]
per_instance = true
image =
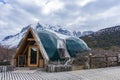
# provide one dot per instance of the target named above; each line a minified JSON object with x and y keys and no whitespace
{"x":33,"y":56}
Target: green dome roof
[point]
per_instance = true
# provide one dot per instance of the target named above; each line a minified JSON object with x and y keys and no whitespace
{"x":75,"y":45}
{"x":49,"y":42}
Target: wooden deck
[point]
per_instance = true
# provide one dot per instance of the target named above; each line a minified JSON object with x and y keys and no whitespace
{"x":112,"y":73}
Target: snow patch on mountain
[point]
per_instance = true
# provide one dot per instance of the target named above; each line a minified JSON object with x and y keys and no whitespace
{"x":107,"y":30}
{"x":13,"y":40}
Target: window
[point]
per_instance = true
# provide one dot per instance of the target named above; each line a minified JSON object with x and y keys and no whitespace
{"x":61,"y":52}
{"x":61,"y":48}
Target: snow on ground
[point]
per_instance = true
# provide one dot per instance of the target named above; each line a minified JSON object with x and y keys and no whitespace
{"x":111,"y":73}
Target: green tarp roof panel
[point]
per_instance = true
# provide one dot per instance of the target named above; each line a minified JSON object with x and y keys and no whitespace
{"x":49,"y":42}
{"x":75,"y":45}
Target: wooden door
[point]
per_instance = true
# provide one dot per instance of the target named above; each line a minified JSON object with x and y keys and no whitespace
{"x":33,"y":56}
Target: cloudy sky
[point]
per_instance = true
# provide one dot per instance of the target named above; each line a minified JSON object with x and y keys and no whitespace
{"x":72,"y":14}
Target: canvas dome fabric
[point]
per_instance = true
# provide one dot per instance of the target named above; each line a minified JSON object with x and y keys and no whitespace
{"x":49,"y":42}
{"x":75,"y":45}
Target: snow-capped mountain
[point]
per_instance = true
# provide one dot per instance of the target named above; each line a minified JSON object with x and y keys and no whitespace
{"x":108,"y":30}
{"x":77,"y":33}
{"x":107,"y":38}
{"x":13,"y":40}
{"x":85,"y":33}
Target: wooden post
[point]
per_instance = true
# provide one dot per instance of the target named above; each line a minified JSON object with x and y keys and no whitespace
{"x":106,"y":58}
{"x":18,"y":62}
{"x":118,"y":57}
{"x":90,"y":61}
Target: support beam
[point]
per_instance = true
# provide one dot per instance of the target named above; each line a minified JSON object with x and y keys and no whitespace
{"x":30,"y":39}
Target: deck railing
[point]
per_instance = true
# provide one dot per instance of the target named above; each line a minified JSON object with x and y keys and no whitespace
{"x":104,"y":61}
{"x":6,"y":68}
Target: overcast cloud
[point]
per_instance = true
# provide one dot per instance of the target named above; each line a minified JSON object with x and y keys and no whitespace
{"x":72,"y":14}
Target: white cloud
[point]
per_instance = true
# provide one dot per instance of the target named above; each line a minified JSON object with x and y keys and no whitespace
{"x":107,"y":18}
{"x":5,"y":9}
{"x":83,"y":2}
{"x":52,"y":6}
{"x":2,"y":23}
{"x":79,"y":20}
{"x":47,"y":6}
{"x":82,"y":14}
{"x":13,"y":18}
{"x":112,"y":12}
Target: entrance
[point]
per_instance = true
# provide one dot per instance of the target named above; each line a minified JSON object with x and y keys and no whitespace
{"x":33,"y":56}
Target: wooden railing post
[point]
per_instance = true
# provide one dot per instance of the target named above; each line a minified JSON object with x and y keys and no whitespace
{"x":106,"y":59}
{"x":118,"y":57}
{"x":90,"y":57}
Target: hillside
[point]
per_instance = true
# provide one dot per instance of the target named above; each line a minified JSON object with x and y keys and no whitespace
{"x":6,"y":54}
{"x":105,"y":38}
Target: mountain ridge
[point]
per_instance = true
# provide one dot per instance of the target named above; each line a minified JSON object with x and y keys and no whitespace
{"x":104,"y":38}
{"x":10,"y":40}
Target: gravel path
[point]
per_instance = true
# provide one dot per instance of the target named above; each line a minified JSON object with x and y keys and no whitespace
{"x":111,"y":73}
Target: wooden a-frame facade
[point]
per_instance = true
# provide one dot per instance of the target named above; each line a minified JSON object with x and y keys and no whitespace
{"x":29,"y":52}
